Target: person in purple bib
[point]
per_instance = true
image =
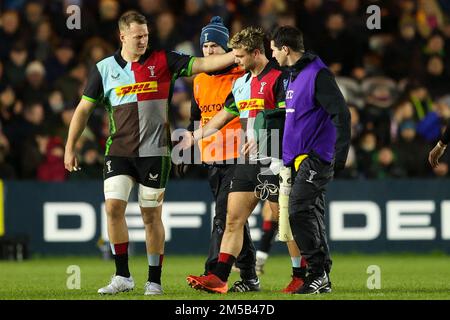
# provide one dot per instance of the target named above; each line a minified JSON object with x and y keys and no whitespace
{"x":316,"y":141}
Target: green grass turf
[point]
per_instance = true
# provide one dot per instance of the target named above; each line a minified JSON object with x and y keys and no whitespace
{"x":403,"y":276}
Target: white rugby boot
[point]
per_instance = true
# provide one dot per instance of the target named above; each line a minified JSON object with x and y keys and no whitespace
{"x":152,"y":288}
{"x":118,"y":284}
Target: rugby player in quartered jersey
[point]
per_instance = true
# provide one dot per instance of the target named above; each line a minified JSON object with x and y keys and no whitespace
{"x":261,"y":88}
{"x":135,"y":86}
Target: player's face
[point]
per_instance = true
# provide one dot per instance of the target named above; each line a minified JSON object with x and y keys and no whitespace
{"x":135,"y":38}
{"x":279,"y":54}
{"x":210,"y":48}
{"x":244,"y":59}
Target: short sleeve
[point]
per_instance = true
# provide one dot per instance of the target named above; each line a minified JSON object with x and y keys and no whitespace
{"x":179,"y":64}
{"x":94,"y":87}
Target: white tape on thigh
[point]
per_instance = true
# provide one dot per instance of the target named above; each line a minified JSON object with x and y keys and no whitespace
{"x":118,"y":187}
{"x":150,"y":197}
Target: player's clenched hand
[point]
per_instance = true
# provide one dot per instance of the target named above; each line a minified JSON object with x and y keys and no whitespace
{"x":70,"y":161}
{"x":435,"y":154}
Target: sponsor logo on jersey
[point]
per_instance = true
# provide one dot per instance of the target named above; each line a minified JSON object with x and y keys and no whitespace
{"x":251,"y":104}
{"x":141,"y":87}
{"x":212,"y":107}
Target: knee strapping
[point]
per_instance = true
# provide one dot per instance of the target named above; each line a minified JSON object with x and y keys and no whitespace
{"x":150,"y":197}
{"x":118,"y":187}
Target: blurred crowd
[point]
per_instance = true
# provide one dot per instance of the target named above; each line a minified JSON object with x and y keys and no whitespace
{"x":396,"y":80}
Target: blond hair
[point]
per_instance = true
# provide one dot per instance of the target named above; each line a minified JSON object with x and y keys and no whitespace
{"x":129,"y":17}
{"x":250,"y":39}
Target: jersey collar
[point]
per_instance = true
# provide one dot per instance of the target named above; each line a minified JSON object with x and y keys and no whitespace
{"x":272,"y":64}
{"x":121,"y":61}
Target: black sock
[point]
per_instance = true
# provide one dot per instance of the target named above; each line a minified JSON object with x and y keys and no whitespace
{"x":248,"y":273}
{"x":223,"y":270}
{"x":154,"y":274}
{"x":121,"y":261}
{"x":270,"y":229}
{"x":299,"y":272}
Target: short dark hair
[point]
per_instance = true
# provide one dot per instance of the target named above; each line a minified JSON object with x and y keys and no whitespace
{"x":129,"y":17}
{"x":290,"y":37}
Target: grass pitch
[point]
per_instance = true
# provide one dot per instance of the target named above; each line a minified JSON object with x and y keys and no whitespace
{"x":404,"y":276}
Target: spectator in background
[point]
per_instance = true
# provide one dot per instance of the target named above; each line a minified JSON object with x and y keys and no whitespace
{"x":193,"y":20}
{"x":420,"y":99}
{"x":44,"y":41}
{"x":340,"y":51}
{"x":9,"y":106}
{"x":411,"y":151}
{"x":23,"y":131}
{"x":436,"y":77}
{"x":55,"y":101}
{"x":401,"y":55}
{"x":377,"y":111}
{"x":16,"y":65}
{"x":286,"y":18}
{"x":268,"y":11}
{"x":407,"y":11}
{"x":386,"y":165}
{"x":33,"y":16}
{"x":429,"y":17}
{"x":151,"y":9}
{"x":70,"y":83}
{"x":9,"y":32}
{"x":311,"y":19}
{"x":60,"y":63}
{"x":35,"y":88}
{"x":29,"y":124}
{"x":429,"y":128}
{"x":167,"y":35}
{"x":365,"y":153}
{"x":52,"y":166}
{"x":402,"y":111}
{"x":109,"y":11}
{"x":217,"y":8}
{"x":355,"y":19}
{"x":95,"y":50}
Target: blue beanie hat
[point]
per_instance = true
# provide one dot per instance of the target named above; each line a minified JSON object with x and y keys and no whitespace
{"x":216,"y":32}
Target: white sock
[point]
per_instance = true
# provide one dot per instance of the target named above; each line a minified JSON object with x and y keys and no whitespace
{"x":261,"y":257}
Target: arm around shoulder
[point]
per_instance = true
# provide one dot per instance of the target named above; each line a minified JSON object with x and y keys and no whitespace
{"x":212,"y":63}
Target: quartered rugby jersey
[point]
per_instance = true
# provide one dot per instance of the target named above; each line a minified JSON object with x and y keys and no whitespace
{"x":250,"y":94}
{"x":136,"y":96}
